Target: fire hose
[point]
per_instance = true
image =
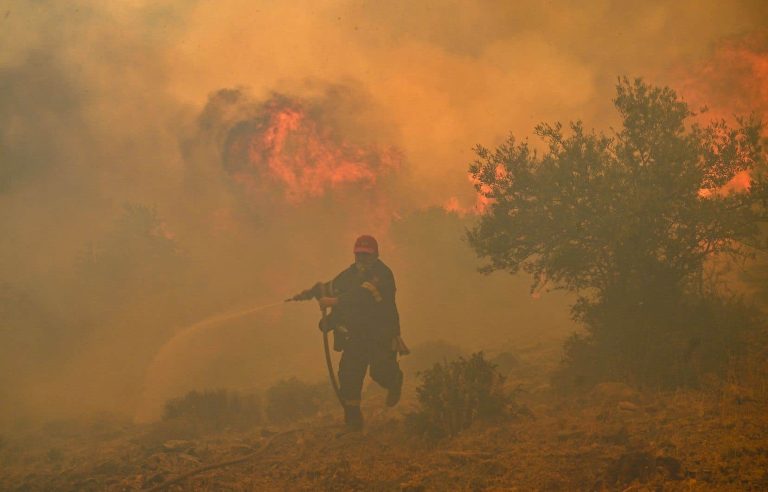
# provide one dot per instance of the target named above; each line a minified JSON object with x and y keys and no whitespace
{"x":328,"y":361}
{"x":315,"y":293}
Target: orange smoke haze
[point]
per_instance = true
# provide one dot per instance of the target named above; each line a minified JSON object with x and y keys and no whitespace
{"x":733,"y":80}
{"x":164,"y":162}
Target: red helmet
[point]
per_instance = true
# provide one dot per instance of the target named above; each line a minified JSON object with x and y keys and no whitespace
{"x":366,"y":244}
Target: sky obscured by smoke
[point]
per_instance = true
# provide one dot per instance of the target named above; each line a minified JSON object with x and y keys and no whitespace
{"x":122,"y":222}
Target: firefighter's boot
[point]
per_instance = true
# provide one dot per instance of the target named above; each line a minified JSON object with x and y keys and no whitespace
{"x":393,"y":393}
{"x":353,"y":418}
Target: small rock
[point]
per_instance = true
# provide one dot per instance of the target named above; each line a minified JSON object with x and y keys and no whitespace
{"x":628,"y":406}
{"x":189,"y":457}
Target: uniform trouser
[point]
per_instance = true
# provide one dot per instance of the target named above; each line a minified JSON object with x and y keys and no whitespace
{"x":356,"y":359}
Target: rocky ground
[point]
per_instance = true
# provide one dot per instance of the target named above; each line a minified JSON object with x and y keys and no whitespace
{"x":610,"y":439}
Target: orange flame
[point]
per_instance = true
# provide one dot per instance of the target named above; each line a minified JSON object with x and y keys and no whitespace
{"x":482,"y":200}
{"x":289,"y":145}
{"x":452,"y":205}
{"x":732,"y":81}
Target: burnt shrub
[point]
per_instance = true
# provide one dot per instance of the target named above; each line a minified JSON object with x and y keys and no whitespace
{"x":660,"y":345}
{"x":212,"y":410}
{"x":452,"y":395}
{"x":291,"y":399}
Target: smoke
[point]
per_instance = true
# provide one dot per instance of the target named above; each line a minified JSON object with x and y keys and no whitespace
{"x":163,"y":162}
{"x":288,"y":151}
{"x":732,"y":80}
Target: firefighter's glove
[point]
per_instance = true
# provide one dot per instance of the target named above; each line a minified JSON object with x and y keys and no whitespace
{"x":399,"y":346}
{"x":326,"y":302}
{"x":311,"y":293}
{"x":325,"y":325}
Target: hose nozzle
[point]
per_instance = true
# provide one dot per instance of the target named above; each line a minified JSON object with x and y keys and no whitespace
{"x":308,"y":294}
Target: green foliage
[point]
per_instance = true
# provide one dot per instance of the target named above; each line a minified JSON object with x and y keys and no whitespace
{"x":290,"y":399}
{"x":604,"y":212}
{"x":627,"y":221}
{"x":453,"y":395}
{"x":212,"y":410}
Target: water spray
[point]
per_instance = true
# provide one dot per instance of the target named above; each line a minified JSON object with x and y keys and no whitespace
{"x":169,"y":348}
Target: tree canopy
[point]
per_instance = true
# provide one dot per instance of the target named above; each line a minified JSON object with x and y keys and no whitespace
{"x":628,"y":221}
{"x":637,"y":208}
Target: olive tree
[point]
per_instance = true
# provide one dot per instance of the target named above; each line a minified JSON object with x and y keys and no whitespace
{"x":628,"y":220}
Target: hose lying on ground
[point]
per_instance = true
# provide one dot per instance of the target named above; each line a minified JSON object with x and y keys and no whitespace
{"x":221,"y":464}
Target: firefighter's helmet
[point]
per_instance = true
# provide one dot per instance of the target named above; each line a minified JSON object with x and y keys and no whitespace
{"x":366,"y":244}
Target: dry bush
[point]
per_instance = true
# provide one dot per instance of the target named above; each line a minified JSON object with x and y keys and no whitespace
{"x":290,"y":399}
{"x":453,"y":395}
{"x":662,"y":345}
{"x":747,"y":376}
{"x":210,"y":411}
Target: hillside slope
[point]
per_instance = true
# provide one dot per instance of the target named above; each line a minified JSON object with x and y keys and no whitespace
{"x":612,"y":439}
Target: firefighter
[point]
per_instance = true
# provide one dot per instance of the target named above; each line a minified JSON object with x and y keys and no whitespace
{"x":366,"y":328}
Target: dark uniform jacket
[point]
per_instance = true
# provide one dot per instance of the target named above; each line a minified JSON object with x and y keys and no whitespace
{"x":366,"y":311}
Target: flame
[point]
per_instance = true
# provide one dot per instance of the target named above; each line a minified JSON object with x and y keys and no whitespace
{"x":453,"y":206}
{"x":739,"y":183}
{"x":290,"y":145}
{"x":481,"y":202}
{"x":732,"y":81}
{"x":483,"y":191}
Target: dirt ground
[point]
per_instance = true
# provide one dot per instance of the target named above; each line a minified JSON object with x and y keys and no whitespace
{"x":613,"y":438}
